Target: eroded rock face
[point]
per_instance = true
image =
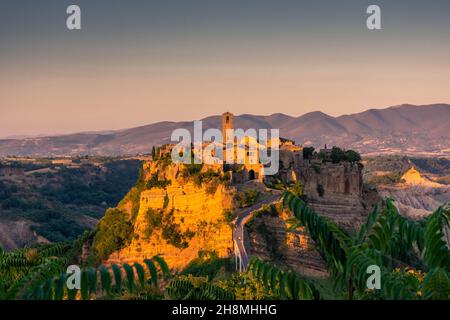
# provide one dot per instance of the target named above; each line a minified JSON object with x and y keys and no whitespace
{"x":335,"y":191}
{"x":342,"y":179}
{"x":197,"y":212}
{"x":416,"y":201}
{"x":270,"y":241}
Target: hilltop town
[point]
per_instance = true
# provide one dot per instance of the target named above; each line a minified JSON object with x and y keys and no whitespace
{"x":181,"y":210}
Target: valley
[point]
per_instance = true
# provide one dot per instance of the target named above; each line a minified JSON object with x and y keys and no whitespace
{"x":57,"y":199}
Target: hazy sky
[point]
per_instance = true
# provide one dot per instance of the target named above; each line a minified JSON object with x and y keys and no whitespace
{"x":137,"y":62}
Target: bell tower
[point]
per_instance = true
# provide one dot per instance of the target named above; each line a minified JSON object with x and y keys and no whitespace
{"x":227,"y":123}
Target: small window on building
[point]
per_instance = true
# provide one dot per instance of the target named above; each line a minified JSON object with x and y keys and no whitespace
{"x":227,"y":119}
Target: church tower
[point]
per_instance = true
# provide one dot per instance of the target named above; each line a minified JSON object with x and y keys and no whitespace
{"x":227,"y":123}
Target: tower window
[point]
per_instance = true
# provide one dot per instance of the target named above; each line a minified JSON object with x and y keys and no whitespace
{"x":227,"y":119}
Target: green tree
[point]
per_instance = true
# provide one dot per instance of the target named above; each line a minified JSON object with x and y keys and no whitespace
{"x":308,"y":152}
{"x":337,"y":155}
{"x":352,"y":156}
{"x":113,"y":232}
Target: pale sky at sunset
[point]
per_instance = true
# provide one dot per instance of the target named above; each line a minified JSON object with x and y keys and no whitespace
{"x":138,"y":62}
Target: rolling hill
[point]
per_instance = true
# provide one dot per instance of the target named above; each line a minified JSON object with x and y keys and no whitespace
{"x":407,"y":129}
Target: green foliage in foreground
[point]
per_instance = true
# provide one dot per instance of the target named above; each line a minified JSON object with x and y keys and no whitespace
{"x":387,"y":240}
{"x":98,"y":283}
{"x":284,"y":284}
{"x":22,"y":270}
{"x":196,"y":288}
{"x":209,"y":265}
{"x":46,"y":277}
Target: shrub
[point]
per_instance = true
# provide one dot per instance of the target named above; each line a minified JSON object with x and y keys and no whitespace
{"x":247,"y":198}
{"x":166,"y":201}
{"x":208,"y":264}
{"x":211,"y":188}
{"x":170,"y":231}
{"x":154,"y":182}
{"x":229,"y":215}
{"x":172,"y":234}
{"x":113,"y":232}
{"x":270,"y":240}
{"x":308,"y":152}
{"x":154,"y":219}
{"x":191,"y":170}
{"x":352,"y":156}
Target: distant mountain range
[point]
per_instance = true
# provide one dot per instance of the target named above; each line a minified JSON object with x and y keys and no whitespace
{"x":408,"y":129}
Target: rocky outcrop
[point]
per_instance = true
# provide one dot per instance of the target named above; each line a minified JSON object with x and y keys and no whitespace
{"x":196,"y":214}
{"x":413,"y":178}
{"x":335,"y":191}
{"x":270,"y":240}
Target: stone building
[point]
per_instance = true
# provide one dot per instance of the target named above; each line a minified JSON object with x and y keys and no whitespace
{"x":249,"y":168}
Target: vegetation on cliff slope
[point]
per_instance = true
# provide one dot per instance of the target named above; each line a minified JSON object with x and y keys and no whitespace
{"x":335,"y":155}
{"x":113,"y":232}
{"x":163,"y":220}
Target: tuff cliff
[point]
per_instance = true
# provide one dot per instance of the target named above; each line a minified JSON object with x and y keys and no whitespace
{"x":270,"y":240}
{"x":334,"y":190}
{"x":180,"y":213}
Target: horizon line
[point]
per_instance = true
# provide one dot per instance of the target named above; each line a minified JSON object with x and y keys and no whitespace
{"x":112,"y":131}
